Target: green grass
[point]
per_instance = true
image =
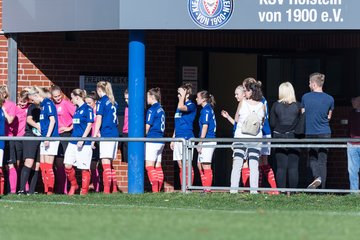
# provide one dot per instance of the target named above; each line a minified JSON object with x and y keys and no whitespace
{"x":180,"y":216}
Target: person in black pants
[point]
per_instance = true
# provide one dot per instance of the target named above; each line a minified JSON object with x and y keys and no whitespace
{"x":284,"y":116}
{"x":318,"y":107}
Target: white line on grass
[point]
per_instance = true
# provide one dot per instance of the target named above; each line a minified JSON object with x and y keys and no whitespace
{"x":255,"y":211}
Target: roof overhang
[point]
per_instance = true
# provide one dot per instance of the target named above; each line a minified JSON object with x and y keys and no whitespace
{"x":84,"y":15}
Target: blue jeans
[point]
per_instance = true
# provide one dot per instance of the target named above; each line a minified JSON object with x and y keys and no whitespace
{"x":353,"y":166}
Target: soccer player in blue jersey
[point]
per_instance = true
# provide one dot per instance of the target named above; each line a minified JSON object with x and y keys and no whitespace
{"x":154,"y":128}
{"x":207,"y":123}
{"x":106,"y":126}
{"x":184,"y":120}
{"x":49,"y":128}
{"x":2,"y":144}
{"x":79,"y":153}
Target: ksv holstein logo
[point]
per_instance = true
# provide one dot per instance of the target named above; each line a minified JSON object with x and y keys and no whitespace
{"x":210,"y":14}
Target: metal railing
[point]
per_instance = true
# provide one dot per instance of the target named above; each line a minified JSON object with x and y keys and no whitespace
{"x":272,"y":143}
{"x":189,"y":146}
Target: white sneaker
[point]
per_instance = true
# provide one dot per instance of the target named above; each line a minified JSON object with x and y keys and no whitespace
{"x":315,"y":184}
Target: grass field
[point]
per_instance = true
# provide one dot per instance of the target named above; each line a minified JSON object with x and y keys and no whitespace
{"x":180,"y":216}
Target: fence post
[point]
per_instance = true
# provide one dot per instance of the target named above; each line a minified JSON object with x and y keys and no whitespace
{"x":183,"y":163}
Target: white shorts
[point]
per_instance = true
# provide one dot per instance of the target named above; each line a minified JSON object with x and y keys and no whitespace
{"x":1,"y":157}
{"x":265,"y":150}
{"x":177,"y":153}
{"x":206,"y":153}
{"x":51,"y":150}
{"x":80,"y":158}
{"x":108,"y":149}
{"x":153,"y":151}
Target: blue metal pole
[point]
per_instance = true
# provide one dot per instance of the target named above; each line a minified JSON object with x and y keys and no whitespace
{"x":136,"y":111}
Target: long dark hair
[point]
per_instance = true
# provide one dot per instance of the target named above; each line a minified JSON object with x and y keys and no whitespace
{"x":255,"y":87}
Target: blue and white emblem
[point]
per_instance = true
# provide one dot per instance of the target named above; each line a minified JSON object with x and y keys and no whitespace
{"x":210,"y":14}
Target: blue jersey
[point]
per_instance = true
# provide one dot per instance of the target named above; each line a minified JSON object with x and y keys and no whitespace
{"x":82,"y":116}
{"x":109,"y":117}
{"x":266,"y":130}
{"x":2,"y":128}
{"x":155,"y":117}
{"x":184,"y":121}
{"x":48,"y":109}
{"x":207,"y":117}
{"x":317,"y":106}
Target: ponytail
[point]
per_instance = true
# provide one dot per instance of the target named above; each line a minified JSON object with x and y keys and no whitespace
{"x":209,"y":98}
{"x":106,"y":87}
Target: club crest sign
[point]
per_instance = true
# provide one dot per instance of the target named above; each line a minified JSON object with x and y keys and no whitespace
{"x":210,"y":14}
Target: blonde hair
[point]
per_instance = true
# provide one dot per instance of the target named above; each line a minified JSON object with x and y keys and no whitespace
{"x":317,"y":78}
{"x":4,"y":91}
{"x":1,"y":101}
{"x":79,"y":92}
{"x":286,"y":93}
{"x":241,"y":88}
{"x":36,"y":90}
{"x":106,"y":87}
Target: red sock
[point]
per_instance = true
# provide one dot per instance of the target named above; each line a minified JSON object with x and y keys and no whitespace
{"x":180,"y":175}
{"x":44,"y":176}
{"x":85,"y":182}
{"x":106,"y":178}
{"x":152,"y":175}
{"x":192,"y":176}
{"x":113,"y":181}
{"x":260,"y":176}
{"x":2,"y":181}
{"x":269,"y":174}
{"x":245,"y":175}
{"x":160,"y":176}
{"x":51,"y":178}
{"x":209,"y":177}
{"x":70,"y":173}
{"x":13,"y":180}
{"x":202,"y":177}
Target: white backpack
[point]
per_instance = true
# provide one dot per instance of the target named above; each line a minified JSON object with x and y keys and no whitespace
{"x":251,"y":125}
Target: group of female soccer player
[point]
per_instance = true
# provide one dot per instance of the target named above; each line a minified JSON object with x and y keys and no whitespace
{"x":48,"y":114}
{"x":184,"y":119}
